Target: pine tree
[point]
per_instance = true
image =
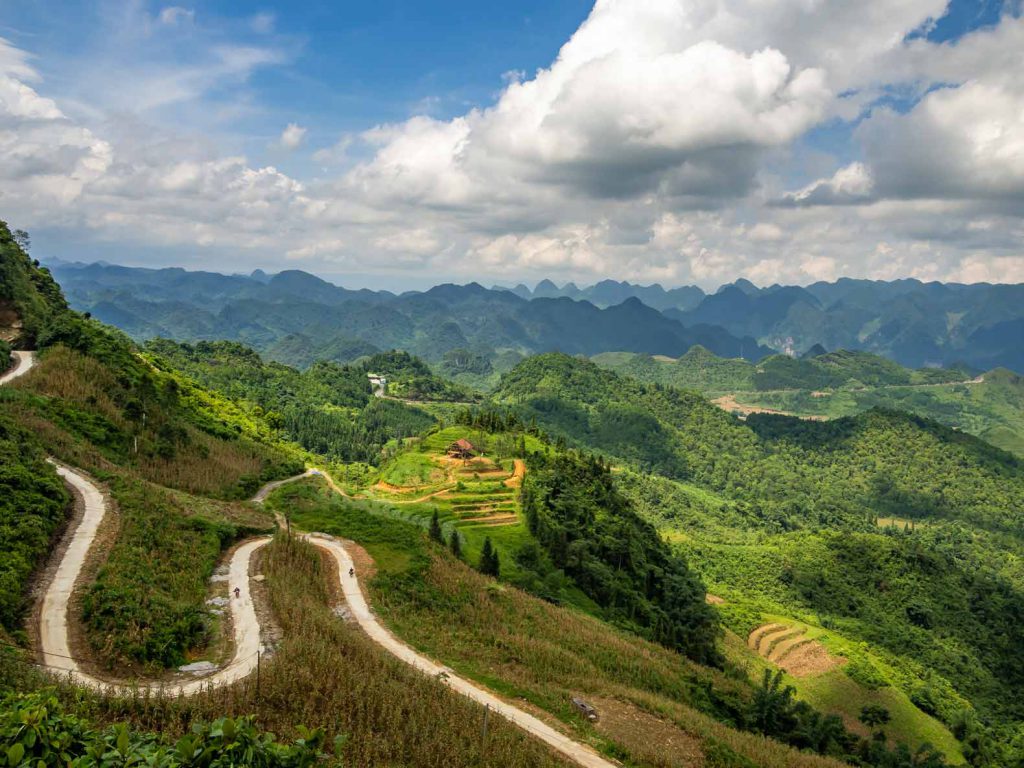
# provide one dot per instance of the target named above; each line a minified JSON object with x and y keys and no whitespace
{"x":435,"y":529}
{"x":489,"y":563}
{"x":456,"y":545}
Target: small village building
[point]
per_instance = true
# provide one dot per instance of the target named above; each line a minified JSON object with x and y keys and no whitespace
{"x":461,"y":449}
{"x":378,"y":383}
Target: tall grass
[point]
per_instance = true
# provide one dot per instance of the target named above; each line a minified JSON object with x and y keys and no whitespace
{"x":528,"y":649}
{"x":326,"y":673}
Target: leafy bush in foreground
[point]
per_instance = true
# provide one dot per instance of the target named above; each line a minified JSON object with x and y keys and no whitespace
{"x":35,"y":731}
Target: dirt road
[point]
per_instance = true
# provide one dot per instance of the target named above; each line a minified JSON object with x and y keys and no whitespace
{"x":54,"y":639}
{"x":55,"y":643}
{"x":57,"y":653}
{"x":23,"y":362}
{"x":579,"y":753}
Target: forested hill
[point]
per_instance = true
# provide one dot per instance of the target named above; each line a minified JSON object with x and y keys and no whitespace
{"x":328,"y":409}
{"x":297,"y":318}
{"x":843,"y":383}
{"x":792,"y":473}
{"x":29,"y":297}
{"x":701,"y":369}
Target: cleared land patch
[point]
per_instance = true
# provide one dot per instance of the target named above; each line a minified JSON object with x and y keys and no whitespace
{"x":788,"y":648}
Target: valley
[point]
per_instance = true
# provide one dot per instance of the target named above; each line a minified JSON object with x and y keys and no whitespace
{"x":556,"y":539}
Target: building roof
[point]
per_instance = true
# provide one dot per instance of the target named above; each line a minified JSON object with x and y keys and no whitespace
{"x":463,"y":445}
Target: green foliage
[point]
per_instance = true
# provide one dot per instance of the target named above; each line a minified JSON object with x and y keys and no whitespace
{"x":149,"y":610}
{"x":792,"y":473}
{"x":5,"y":355}
{"x":874,"y":715}
{"x":36,"y":732}
{"x":490,"y":565}
{"x":455,"y":544}
{"x":702,"y":370}
{"x":435,"y":529}
{"x":328,"y":408}
{"x":410,"y":378}
{"x":593,"y":533}
{"x":845,"y":383}
{"x":32,"y":505}
{"x":29,"y":297}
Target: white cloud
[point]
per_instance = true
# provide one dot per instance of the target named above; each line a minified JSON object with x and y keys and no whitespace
{"x":292,"y":136}
{"x":851,"y":184}
{"x":651,"y":148}
{"x":175,"y":15}
{"x":263,"y":23}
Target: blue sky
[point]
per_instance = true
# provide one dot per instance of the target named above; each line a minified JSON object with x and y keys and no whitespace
{"x":398,"y":143}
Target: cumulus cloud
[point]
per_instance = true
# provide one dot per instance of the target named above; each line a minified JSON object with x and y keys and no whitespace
{"x":652,"y":148}
{"x":850,"y":184}
{"x":617,"y":115}
{"x":965,"y":141}
{"x":292,"y":136}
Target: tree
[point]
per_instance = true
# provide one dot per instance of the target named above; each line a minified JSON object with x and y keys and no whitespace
{"x":435,"y":529}
{"x":24,"y":241}
{"x":455,"y":544}
{"x":489,"y":563}
{"x":874,"y":715}
{"x":772,"y":708}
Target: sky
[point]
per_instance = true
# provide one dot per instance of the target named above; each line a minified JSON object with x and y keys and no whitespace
{"x":400,"y":144}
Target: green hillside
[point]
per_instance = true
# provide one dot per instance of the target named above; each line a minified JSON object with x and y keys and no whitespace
{"x":791,"y":526}
{"x":29,"y":297}
{"x":176,"y":457}
{"x":725,"y":592}
{"x":843,"y":369}
{"x":843,"y":383}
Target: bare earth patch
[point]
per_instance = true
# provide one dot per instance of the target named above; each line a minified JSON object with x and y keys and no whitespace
{"x":788,"y":648}
{"x":648,"y":738}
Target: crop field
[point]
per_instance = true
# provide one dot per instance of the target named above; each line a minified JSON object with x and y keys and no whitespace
{"x":537,"y":653}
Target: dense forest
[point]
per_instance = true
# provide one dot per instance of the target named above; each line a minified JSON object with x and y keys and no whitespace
{"x":591,"y":532}
{"x":796,"y":473}
{"x":828,"y":385}
{"x":328,"y":408}
{"x":703,"y":370}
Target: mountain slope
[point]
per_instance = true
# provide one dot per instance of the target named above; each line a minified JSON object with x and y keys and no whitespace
{"x":323,"y":321}
{"x":844,"y":383}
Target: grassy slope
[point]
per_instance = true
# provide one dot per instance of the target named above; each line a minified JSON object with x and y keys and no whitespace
{"x":843,"y":384}
{"x":738,"y":562}
{"x":147,"y":605}
{"x":526,"y":648}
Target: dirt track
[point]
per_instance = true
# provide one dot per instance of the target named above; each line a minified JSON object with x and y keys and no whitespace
{"x":23,"y":362}
{"x":54,"y":640}
{"x":55,"y":644}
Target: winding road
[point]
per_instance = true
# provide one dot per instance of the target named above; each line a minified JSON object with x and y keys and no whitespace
{"x":55,"y":643}
{"x":23,"y":362}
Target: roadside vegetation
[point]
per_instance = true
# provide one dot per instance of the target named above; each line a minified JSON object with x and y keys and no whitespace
{"x":32,"y":508}
{"x":527,"y":648}
{"x":566,"y":554}
{"x":843,"y":383}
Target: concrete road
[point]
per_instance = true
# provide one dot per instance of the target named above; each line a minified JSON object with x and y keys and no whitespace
{"x":23,"y":362}
{"x":578,"y":753}
{"x":53,"y":625}
{"x":55,"y":640}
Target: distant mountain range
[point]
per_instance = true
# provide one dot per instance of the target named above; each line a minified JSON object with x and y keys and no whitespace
{"x":297,"y":318}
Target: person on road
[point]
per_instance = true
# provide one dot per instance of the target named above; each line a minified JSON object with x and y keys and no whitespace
{"x":351,"y":572}
{"x":238,"y":592}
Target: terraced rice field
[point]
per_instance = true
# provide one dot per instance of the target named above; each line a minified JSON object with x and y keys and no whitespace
{"x":788,"y":648}
{"x":469,"y":494}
